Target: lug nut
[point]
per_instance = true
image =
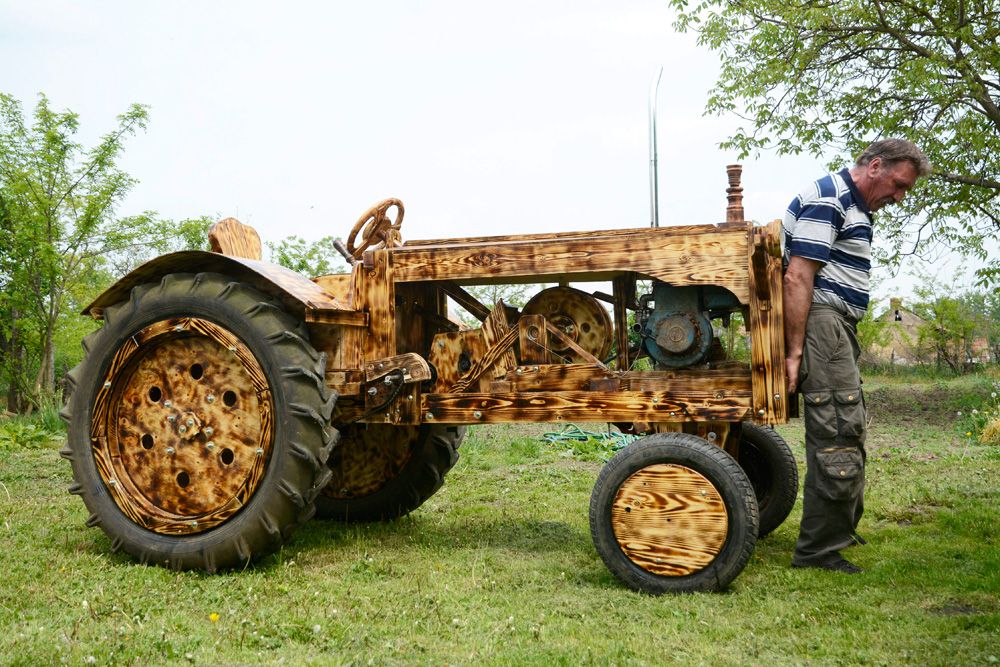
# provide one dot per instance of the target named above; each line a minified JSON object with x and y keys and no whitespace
{"x":210,"y":398}
{"x":190,"y":422}
{"x":171,"y":418}
{"x":209,"y":430}
{"x":182,"y":429}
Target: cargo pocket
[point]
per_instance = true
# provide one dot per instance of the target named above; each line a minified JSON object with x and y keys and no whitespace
{"x":821,"y":414}
{"x":850,"y":413}
{"x":841,"y":471}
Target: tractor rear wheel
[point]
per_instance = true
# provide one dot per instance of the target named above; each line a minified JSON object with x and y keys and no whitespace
{"x":673,"y":513}
{"x":199,"y":423}
{"x":769,"y":463}
{"x":383,"y":471}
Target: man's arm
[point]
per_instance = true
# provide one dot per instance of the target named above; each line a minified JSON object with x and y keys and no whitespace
{"x":796,"y":300}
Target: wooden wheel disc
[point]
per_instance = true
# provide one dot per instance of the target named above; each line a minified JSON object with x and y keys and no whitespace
{"x":368,"y":456}
{"x":669,"y":520}
{"x":578,"y":315}
{"x":182,"y":429}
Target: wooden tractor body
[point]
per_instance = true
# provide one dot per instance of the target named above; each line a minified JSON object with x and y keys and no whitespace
{"x":225,"y":399}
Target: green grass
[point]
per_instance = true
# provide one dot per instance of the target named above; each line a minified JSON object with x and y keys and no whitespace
{"x":498,"y":568}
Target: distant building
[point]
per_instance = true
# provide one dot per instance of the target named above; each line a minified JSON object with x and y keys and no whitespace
{"x":902,"y":346}
{"x":903,"y":331}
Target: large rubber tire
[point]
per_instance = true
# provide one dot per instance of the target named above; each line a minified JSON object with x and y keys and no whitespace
{"x":711,"y":511}
{"x":288,"y":401}
{"x":402,"y":467}
{"x":769,"y":463}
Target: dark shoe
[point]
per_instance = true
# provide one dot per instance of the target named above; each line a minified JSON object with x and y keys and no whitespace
{"x":836,"y":564}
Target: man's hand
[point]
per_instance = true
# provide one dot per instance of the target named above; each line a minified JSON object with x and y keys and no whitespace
{"x":792,"y":373}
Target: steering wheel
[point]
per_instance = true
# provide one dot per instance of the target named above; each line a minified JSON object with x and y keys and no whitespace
{"x":376,"y":227}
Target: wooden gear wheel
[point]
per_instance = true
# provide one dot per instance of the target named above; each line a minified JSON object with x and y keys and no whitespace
{"x":376,"y":228}
{"x":579,"y":316}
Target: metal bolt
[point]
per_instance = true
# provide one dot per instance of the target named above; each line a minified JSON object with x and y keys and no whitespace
{"x":372,"y":391}
{"x":409,"y":398}
{"x":193,"y":524}
{"x":380,"y":366}
{"x":182,"y":429}
{"x":430,"y":416}
{"x":209,"y":430}
{"x":673,"y":414}
{"x":232,"y":348}
{"x":260,"y":452}
{"x":210,"y":398}
{"x":171,"y":418}
{"x":441,"y":344}
{"x":761,"y":413}
{"x":777,"y":397}
{"x":190,"y":422}
{"x":113,"y":482}
{"x":210,"y":445}
{"x":704,"y":493}
{"x":656,"y":400}
{"x":712,"y":437}
{"x":477,"y":414}
{"x":167,"y":404}
{"x":170,"y":450}
{"x":107,"y":385}
{"x":519,"y":371}
{"x":179,"y":327}
{"x":388,"y":380}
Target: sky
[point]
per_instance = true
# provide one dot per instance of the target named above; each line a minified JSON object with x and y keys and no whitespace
{"x":484,"y":118}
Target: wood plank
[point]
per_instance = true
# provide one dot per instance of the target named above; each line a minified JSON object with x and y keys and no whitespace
{"x":571,"y":344}
{"x":669,"y":519}
{"x":767,"y":335}
{"x":488,"y":408}
{"x":623,"y":289}
{"x":495,"y":329}
{"x":448,"y":350}
{"x":533,"y":339}
{"x":709,"y":257}
{"x":583,"y":377}
{"x":546,"y":236}
{"x":465,"y":300}
{"x":338,"y":286}
{"x":347,"y":318}
{"x":376,"y":296}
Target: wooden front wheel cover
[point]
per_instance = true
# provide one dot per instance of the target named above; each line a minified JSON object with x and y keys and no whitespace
{"x":669,"y":520}
{"x":375,"y":226}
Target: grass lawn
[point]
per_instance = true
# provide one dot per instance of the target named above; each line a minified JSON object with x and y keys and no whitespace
{"x":498,"y":568}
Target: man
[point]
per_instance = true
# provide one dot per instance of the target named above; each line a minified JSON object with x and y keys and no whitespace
{"x":827,"y":251}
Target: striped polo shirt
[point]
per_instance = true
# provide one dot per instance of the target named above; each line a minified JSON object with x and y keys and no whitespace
{"x":830,"y":222}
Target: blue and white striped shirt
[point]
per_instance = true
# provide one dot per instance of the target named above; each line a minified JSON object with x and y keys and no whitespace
{"x":830,"y":222}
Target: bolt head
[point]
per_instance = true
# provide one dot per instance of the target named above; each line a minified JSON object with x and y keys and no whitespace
{"x":171,"y":418}
{"x":167,"y":404}
{"x":190,"y":422}
{"x":193,"y":524}
{"x":113,"y":482}
{"x":761,"y":413}
{"x":107,"y":385}
{"x":372,"y":391}
{"x":209,"y":445}
{"x":656,"y":400}
{"x":210,"y":398}
{"x":170,"y":450}
{"x":209,"y":430}
{"x":259,"y":452}
{"x":182,"y":429}
{"x":477,"y":414}
{"x":388,"y":380}
{"x":430,"y":416}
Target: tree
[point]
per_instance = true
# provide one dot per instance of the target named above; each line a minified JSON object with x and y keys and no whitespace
{"x":830,"y":77}
{"x":61,"y":238}
{"x":309,"y":259}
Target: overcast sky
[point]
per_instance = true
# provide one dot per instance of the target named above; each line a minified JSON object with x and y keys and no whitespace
{"x":484,"y":118}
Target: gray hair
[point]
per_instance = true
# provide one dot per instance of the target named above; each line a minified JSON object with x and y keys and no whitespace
{"x":896,"y":150}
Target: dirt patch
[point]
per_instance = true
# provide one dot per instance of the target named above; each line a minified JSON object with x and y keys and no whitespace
{"x":954,"y":609}
{"x":911,"y":404}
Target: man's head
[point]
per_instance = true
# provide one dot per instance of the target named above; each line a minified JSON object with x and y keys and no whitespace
{"x":887,"y":169}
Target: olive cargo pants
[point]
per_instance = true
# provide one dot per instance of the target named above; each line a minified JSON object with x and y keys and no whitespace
{"x":835,"y":421}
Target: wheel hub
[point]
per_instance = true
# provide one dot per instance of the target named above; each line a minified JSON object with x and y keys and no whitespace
{"x":183,"y":429}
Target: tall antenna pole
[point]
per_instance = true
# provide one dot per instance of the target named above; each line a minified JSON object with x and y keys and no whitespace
{"x":654,"y":188}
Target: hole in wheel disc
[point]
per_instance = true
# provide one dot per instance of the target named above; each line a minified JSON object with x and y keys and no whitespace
{"x":196,"y":371}
{"x":229,"y":398}
{"x":147,"y":441}
{"x":155,"y":394}
{"x":227,"y":456}
{"x":183,"y":479}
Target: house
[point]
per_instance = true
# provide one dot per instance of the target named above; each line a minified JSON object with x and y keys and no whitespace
{"x":902,"y":336}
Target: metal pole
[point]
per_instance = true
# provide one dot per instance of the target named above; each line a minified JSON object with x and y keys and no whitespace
{"x":654,"y":188}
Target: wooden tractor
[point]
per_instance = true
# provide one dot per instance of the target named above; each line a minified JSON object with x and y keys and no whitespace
{"x":225,"y":400}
